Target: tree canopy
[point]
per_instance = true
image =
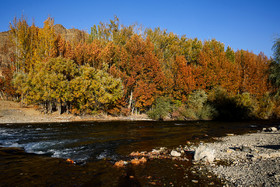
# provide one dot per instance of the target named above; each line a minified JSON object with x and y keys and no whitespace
{"x":117,"y":68}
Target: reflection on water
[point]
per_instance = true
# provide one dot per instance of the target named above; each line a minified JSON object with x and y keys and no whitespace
{"x":91,"y":142}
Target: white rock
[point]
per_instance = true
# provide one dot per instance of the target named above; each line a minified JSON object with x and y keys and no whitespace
{"x":277,"y":177}
{"x":156,"y":152}
{"x":195,"y":181}
{"x":204,"y":153}
{"x":175,"y":153}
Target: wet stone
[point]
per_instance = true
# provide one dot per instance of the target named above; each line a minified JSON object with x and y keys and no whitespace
{"x":195,"y":181}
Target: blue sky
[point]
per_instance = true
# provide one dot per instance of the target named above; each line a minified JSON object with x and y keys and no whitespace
{"x":242,"y":24}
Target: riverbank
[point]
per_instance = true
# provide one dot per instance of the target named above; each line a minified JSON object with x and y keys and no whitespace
{"x":11,"y":112}
{"x":243,"y":160}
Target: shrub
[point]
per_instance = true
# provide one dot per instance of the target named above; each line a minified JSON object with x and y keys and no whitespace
{"x":161,"y":109}
{"x":246,"y":104}
{"x":230,"y":107}
{"x":265,"y":108}
{"x":198,"y":108}
{"x":178,"y":112}
{"x":208,"y":112}
{"x":276,"y":112}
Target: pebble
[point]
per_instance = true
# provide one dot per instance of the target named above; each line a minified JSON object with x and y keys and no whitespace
{"x":230,"y":134}
{"x":229,"y":151}
{"x":195,"y":181}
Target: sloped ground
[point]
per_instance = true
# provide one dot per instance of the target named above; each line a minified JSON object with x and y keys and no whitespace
{"x":11,"y":112}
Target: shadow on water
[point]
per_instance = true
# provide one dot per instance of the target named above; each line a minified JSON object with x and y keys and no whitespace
{"x":41,"y":150}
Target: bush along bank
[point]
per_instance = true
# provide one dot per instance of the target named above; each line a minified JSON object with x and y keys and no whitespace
{"x":217,"y":104}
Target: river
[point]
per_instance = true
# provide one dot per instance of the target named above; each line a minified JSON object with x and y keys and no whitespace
{"x":96,"y":146}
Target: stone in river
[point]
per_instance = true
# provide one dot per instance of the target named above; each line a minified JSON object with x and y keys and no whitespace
{"x":175,"y":153}
{"x":204,"y":153}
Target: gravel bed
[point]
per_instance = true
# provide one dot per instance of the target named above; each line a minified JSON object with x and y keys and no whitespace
{"x":244,"y":160}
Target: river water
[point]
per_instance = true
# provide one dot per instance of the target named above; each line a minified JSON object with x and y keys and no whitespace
{"x":95,"y":146}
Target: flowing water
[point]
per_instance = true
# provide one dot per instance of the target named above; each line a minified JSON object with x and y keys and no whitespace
{"x":95,"y":146}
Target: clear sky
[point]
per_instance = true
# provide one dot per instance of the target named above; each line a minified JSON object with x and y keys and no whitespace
{"x":242,"y":24}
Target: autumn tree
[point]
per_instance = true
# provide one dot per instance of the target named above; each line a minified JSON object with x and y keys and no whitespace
{"x":121,"y":68}
{"x":6,"y":88}
{"x":183,"y":79}
{"x":20,"y":36}
{"x":47,"y":41}
{"x":32,"y":44}
{"x":253,"y":72}
{"x":142,"y":75}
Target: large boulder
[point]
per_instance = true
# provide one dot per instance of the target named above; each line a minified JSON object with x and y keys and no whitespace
{"x":204,"y":153}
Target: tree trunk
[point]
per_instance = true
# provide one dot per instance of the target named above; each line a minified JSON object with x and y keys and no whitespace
{"x":50,"y":107}
{"x":59,"y":108}
{"x":21,"y":101}
{"x":2,"y":95}
{"x":68,"y":107}
{"x":132,"y":110}
{"x":46,"y":107}
{"x":130,"y":101}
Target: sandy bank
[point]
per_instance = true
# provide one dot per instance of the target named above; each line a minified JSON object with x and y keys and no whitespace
{"x":11,"y":112}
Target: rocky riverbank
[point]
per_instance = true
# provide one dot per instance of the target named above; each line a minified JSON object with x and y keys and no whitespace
{"x":243,"y":160}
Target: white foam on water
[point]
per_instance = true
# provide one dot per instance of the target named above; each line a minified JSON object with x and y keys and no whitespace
{"x":37,"y":146}
{"x":102,"y":155}
{"x":64,"y":153}
{"x":69,"y":153}
{"x":12,"y":144}
{"x":39,"y":152}
{"x":4,"y":132}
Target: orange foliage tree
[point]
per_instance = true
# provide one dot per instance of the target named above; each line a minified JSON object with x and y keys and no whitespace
{"x":253,"y":70}
{"x":141,"y":72}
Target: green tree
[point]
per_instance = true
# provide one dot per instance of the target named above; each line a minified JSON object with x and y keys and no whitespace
{"x":274,"y":75}
{"x":198,"y":108}
{"x":230,"y":54}
{"x":160,"y":109}
{"x":94,"y":90}
{"x":276,"y":50}
{"x":48,"y":83}
{"x":19,"y":82}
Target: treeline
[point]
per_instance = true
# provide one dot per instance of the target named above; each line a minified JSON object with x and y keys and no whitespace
{"x":121,"y":70}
